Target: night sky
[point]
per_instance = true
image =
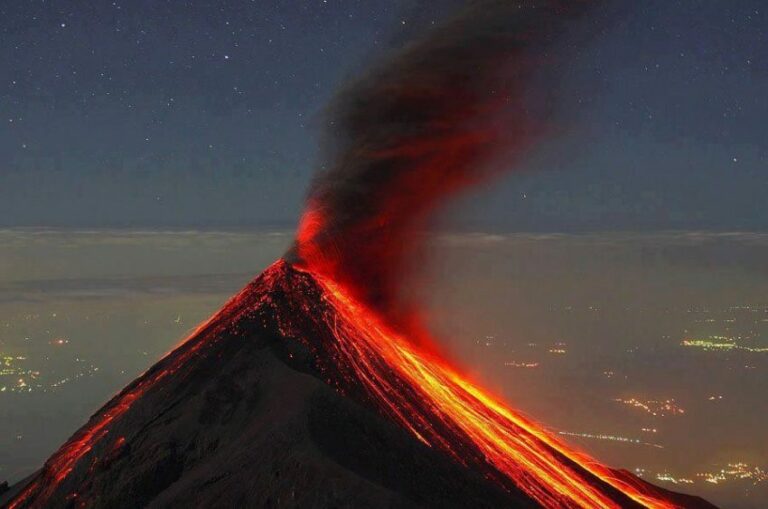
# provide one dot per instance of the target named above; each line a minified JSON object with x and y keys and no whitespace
{"x":157,"y":114}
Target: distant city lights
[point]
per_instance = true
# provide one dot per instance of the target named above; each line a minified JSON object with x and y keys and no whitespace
{"x":720,"y":343}
{"x":515,"y":364}
{"x":657,"y":408}
{"x":610,"y":438}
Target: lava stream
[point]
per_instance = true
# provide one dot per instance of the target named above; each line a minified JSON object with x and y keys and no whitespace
{"x":518,"y":448}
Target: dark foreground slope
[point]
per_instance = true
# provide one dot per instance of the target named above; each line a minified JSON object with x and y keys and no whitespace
{"x":251,"y":412}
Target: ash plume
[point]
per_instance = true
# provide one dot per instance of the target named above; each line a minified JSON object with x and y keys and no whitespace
{"x":428,"y":122}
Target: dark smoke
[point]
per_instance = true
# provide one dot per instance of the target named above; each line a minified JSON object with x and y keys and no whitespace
{"x":434,"y":119}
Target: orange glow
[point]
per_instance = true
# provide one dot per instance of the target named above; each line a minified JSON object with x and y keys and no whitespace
{"x":518,"y":448}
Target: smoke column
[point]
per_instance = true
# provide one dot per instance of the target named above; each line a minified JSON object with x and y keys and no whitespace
{"x":427,"y":123}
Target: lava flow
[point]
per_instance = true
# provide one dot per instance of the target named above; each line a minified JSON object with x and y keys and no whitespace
{"x":445,"y":410}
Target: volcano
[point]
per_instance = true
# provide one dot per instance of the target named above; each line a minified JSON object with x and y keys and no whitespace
{"x":289,"y":397}
{"x":318,"y":385}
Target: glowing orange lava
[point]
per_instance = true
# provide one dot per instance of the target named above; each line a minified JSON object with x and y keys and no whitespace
{"x":520,"y":449}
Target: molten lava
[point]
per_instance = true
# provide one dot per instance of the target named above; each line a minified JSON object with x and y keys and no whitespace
{"x":445,"y":410}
